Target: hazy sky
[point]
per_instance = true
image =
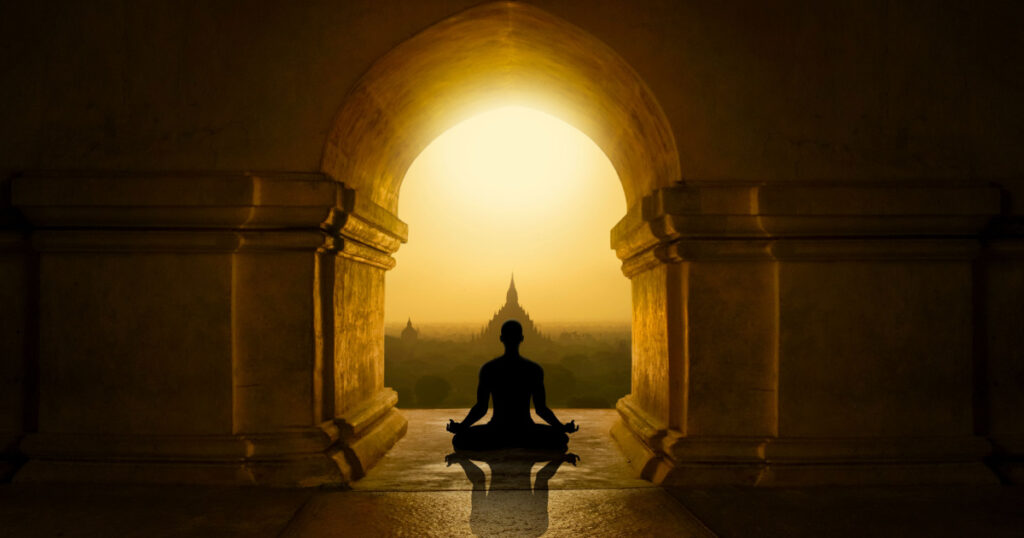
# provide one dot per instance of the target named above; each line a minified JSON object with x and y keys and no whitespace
{"x":510,"y":190}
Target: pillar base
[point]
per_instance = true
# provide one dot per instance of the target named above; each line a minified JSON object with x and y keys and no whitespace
{"x":335,"y":453}
{"x":1008,"y":460}
{"x":10,"y":459}
{"x":1010,"y":471}
{"x":367,"y":432}
{"x":668,"y":458}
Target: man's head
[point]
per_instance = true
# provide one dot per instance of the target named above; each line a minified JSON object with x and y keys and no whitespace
{"x":511,"y":333}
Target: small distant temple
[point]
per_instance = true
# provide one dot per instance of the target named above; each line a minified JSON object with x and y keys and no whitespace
{"x":511,"y":310}
{"x":409,"y":334}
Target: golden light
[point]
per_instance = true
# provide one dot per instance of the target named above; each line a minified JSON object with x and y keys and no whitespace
{"x":509,"y":190}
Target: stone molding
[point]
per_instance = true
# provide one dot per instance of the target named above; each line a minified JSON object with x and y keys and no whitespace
{"x":128,"y":447}
{"x":338,"y":451}
{"x":368,"y":430}
{"x":211,"y":212}
{"x":13,"y":241}
{"x":1005,"y":249}
{"x":354,"y":422}
{"x":785,"y":220}
{"x":664,"y":456}
{"x":134,"y":240}
{"x":639,"y":436}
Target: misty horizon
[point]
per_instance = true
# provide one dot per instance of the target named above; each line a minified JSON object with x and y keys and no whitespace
{"x":481,"y":323}
{"x":463,"y":329}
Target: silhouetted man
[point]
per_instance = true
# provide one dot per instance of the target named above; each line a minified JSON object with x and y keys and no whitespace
{"x":511,"y":380}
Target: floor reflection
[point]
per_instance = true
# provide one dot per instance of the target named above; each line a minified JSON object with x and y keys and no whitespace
{"x":512,"y":506}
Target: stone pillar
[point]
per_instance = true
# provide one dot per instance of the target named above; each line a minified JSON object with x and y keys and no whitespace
{"x":804,"y":334}
{"x":200,"y":329}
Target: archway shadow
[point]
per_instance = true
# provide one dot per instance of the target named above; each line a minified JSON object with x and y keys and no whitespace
{"x":512,"y":506}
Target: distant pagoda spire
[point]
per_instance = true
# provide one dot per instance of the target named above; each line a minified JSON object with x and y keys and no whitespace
{"x":410,"y":334}
{"x":512,"y":296}
{"x":511,"y":310}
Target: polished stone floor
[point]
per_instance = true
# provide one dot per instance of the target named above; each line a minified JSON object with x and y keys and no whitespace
{"x":414,"y":491}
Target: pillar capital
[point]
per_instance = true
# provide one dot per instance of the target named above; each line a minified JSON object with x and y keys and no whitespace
{"x":728,"y":219}
{"x":189,"y":212}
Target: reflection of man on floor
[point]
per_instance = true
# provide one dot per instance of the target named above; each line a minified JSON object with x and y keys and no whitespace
{"x":510,"y":508}
{"x":511,"y":380}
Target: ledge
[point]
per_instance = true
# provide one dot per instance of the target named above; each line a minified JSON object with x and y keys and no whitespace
{"x":668,"y":457}
{"x":337,"y":452}
{"x":175,"y":447}
{"x":240,"y":200}
{"x":1005,"y":249}
{"x":203,"y":212}
{"x":744,"y":211}
{"x":639,"y":436}
{"x":355,"y":421}
{"x":368,"y":431}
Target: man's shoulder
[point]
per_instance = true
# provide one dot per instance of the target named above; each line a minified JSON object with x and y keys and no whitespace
{"x":490,"y":365}
{"x":504,"y":362}
{"x":532,"y":367}
{"x":532,"y":364}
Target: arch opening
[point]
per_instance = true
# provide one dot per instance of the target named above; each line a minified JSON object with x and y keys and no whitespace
{"x":488,"y":56}
{"x":510,"y":191}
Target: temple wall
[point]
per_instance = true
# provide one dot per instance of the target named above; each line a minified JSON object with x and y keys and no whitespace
{"x":123,"y":333}
{"x":732,"y":348}
{"x":275,"y":376}
{"x":875,"y":348}
{"x":829,"y":285}
{"x":792,"y":90}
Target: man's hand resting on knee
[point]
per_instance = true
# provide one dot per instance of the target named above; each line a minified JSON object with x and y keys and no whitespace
{"x":571,"y":427}
{"x":454,"y":427}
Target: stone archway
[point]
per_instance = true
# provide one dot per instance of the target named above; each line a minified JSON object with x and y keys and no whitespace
{"x":491,"y":55}
{"x":233,"y":322}
{"x":727,"y":276}
{"x":494,"y":54}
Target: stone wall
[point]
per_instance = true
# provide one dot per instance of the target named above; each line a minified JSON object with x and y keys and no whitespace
{"x":824,"y":237}
{"x":828,"y":333}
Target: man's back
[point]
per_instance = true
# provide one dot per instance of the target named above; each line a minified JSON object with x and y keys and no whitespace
{"x":512,"y":382}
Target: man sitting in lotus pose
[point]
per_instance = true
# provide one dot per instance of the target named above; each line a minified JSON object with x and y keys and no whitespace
{"x":511,"y":380}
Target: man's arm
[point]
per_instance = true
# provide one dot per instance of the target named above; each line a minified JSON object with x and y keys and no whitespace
{"x":479,"y":409}
{"x":540,"y":405}
{"x":473,"y":473}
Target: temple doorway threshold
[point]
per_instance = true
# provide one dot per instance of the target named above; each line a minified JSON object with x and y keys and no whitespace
{"x":417,"y":462}
{"x":413,"y":492}
{"x":416,"y":491}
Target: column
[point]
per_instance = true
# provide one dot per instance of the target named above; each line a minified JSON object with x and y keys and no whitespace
{"x":804,"y":334}
{"x":186,"y":330}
